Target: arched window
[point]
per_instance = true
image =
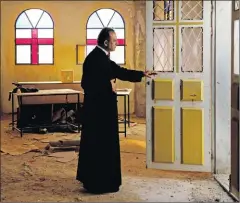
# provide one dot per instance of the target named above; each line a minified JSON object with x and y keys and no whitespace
{"x":107,"y":18}
{"x":34,"y":38}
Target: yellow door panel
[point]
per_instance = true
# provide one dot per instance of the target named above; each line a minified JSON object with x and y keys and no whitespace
{"x":163,"y":89}
{"x":163,"y":134}
{"x":192,"y":90}
{"x":192,"y":136}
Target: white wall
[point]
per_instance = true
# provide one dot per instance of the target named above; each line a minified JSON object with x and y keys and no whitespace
{"x":223,"y":86}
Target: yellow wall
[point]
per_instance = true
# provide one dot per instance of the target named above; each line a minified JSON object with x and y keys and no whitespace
{"x":70,"y":20}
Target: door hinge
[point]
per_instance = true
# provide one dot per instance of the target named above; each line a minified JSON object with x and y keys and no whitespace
{"x":212,"y":18}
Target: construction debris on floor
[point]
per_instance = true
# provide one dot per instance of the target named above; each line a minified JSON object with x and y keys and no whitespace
{"x":42,"y":168}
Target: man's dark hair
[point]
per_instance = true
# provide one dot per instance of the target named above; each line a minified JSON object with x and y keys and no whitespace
{"x":104,"y":35}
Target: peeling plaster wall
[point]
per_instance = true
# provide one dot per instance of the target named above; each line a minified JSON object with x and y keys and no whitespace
{"x":140,"y":56}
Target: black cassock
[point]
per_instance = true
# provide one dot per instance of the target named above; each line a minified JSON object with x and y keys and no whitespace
{"x":99,"y":164}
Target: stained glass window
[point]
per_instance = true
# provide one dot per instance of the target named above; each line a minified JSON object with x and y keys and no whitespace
{"x":34,"y":38}
{"x":107,"y":18}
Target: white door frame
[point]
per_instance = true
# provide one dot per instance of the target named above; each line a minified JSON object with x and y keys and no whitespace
{"x":221,"y":81}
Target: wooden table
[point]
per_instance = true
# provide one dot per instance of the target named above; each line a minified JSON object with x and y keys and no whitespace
{"x":51,"y":92}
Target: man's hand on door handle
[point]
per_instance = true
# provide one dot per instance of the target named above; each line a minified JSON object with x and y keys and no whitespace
{"x":149,"y":74}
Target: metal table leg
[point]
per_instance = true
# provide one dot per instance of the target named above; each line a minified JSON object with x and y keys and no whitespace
{"x":125,"y":116}
{"x":20,"y":108}
{"x":12,"y":95}
{"x":78,"y":109}
{"x":66,"y":105}
{"x":128,"y":112}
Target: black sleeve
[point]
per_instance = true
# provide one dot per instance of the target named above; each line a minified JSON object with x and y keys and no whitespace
{"x":126,"y":74}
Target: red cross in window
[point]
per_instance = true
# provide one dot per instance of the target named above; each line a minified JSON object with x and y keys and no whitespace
{"x":120,"y":42}
{"x":34,"y":42}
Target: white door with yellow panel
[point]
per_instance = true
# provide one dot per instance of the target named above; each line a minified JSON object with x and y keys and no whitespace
{"x":179,"y":96}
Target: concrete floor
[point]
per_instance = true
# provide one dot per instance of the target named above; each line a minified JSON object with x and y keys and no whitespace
{"x":223,"y":179}
{"x":168,"y":190}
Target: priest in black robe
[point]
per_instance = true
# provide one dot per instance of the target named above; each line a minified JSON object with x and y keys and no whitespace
{"x":99,"y":164}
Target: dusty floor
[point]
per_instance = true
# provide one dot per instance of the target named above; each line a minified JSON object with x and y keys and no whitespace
{"x":34,"y":176}
{"x":223,"y":179}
